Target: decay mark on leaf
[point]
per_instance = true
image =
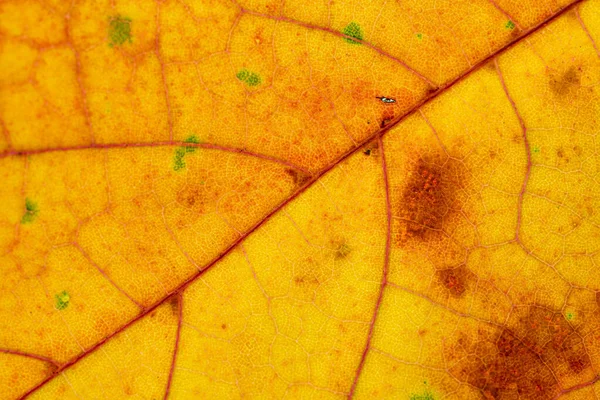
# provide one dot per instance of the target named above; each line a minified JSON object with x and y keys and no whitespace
{"x":299,"y":178}
{"x":529,"y":358}
{"x":454,"y":280}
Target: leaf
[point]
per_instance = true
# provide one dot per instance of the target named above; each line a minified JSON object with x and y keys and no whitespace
{"x":291,"y":200}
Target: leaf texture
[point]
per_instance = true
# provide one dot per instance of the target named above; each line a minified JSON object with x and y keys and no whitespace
{"x":265,"y":200}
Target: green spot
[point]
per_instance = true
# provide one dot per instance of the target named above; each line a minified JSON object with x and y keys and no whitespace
{"x":191,"y":139}
{"x":353,"y":30}
{"x":180,"y":152}
{"x":536,"y":149}
{"x":119,"y":31}
{"x":31,"y":211}
{"x":62,"y":300}
{"x":509,"y":25}
{"x":419,"y":36}
{"x":423,"y":396}
{"x":179,"y":162}
{"x":570,"y":315}
{"x":249,"y":78}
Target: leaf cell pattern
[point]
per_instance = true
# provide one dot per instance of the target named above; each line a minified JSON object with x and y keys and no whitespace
{"x":212,"y":199}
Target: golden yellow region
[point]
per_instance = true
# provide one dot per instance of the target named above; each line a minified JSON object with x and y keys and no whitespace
{"x":299,"y":200}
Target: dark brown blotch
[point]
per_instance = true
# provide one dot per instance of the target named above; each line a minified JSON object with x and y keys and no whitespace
{"x":524,"y":359}
{"x":371,"y":149}
{"x":562,"y":84}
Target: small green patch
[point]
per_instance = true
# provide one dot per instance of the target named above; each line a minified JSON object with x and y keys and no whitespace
{"x":31,"y":211}
{"x":119,"y":31}
{"x":180,"y":152}
{"x":62,"y":300}
{"x":509,"y":25}
{"x":179,"y":162}
{"x":423,"y":396}
{"x":353,"y":30}
{"x":419,"y":36}
{"x":570,"y":315}
{"x":191,"y":139}
{"x":536,"y":149}
{"x":248,"y":77}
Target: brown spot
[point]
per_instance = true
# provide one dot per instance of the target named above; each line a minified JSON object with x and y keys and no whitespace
{"x":223,"y":326}
{"x":454,"y":280}
{"x":384,"y":122}
{"x":299,"y":178}
{"x":563,"y":84}
{"x":523,"y":360}
{"x":422,"y":332}
{"x":342,"y":251}
{"x":490,"y":66}
{"x":423,"y":200}
{"x":174,"y":303}
{"x":432,"y":197}
{"x":598,"y":299}
{"x":578,"y":364}
{"x":371,"y":149}
{"x":431,"y":91}
{"x":190,"y":197}
{"x":515,"y":33}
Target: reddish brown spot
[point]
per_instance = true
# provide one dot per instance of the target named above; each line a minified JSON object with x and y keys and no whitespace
{"x":524,"y":360}
{"x":577,"y":365}
{"x":433,"y":199}
{"x":431,"y":90}
{"x":423,"y":200}
{"x":455,"y":280}
{"x":174,"y":303}
{"x":298,"y":177}
{"x":190,"y":196}
{"x":223,"y":326}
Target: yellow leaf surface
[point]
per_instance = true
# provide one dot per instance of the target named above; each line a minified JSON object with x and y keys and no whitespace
{"x":299,"y":200}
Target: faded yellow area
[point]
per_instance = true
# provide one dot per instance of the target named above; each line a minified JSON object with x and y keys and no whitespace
{"x":267,"y":200}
